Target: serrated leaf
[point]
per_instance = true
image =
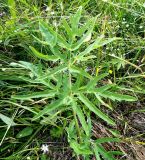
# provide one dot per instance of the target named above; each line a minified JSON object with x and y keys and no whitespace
{"x":103,"y":42}
{"x":115,"y":153}
{"x":37,"y":81}
{"x":107,"y":139}
{"x":71,"y":130}
{"x":57,"y":53}
{"x":94,"y":89}
{"x":104,"y":153}
{"x":77,"y":84}
{"x":7,"y":120}
{"x":87,"y":58}
{"x":82,"y":29}
{"x":94,"y":109}
{"x":74,"y":19}
{"x":75,"y":69}
{"x":50,"y":38}
{"x":67,"y":28}
{"x":81,"y":117}
{"x":40,"y":41}
{"x":42,"y":56}
{"x":47,"y":94}
{"x":97,"y":155}
{"x":80,"y":149}
{"x":102,"y":102}
{"x":117,"y":96}
{"x":49,"y":108}
{"x":93,"y":82}
{"x":100,"y":89}
{"x":12,"y":7}
{"x":57,"y":37}
{"x":99,"y":42}
{"x":55,"y":70}
{"x":84,"y":38}
{"x":28,"y":65}
{"x":62,"y":42}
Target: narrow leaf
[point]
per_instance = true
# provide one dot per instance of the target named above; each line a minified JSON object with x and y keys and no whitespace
{"x":50,"y":38}
{"x":117,"y":96}
{"x":104,"y":153}
{"x":77,"y":84}
{"x":85,"y":27}
{"x":107,"y":139}
{"x":49,"y":108}
{"x":75,"y":69}
{"x":25,"y":132}
{"x":57,"y":53}
{"x":12,"y":7}
{"x":97,"y":155}
{"x":75,"y":20}
{"x":7,"y":120}
{"x":62,"y":42}
{"x":24,"y":107}
{"x":67,"y":28}
{"x":27,"y":65}
{"x":42,"y":56}
{"x":55,"y":70}
{"x":81,"y":117}
{"x":84,"y":38}
{"x":47,"y":94}
{"x":89,"y":48}
{"x":93,"y":82}
{"x":97,"y":44}
{"x":80,"y":149}
{"x":93,"y":108}
{"x":102,"y":102}
{"x":115,"y":153}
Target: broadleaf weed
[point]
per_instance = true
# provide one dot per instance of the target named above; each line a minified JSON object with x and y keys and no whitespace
{"x":74,"y":74}
{"x":67,"y":85}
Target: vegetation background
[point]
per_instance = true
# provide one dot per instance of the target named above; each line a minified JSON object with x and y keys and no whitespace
{"x":72,"y":78}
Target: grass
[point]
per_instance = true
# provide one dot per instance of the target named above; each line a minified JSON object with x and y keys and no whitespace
{"x":72,"y":75}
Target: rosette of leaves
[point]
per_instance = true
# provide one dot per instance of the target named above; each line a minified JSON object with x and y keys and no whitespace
{"x":70,"y":87}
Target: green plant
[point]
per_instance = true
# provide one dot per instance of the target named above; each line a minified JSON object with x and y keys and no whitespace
{"x":68,"y":86}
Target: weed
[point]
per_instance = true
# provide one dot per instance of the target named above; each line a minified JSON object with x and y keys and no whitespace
{"x":75,"y":74}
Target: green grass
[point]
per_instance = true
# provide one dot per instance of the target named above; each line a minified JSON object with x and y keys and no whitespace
{"x":67,"y":66}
